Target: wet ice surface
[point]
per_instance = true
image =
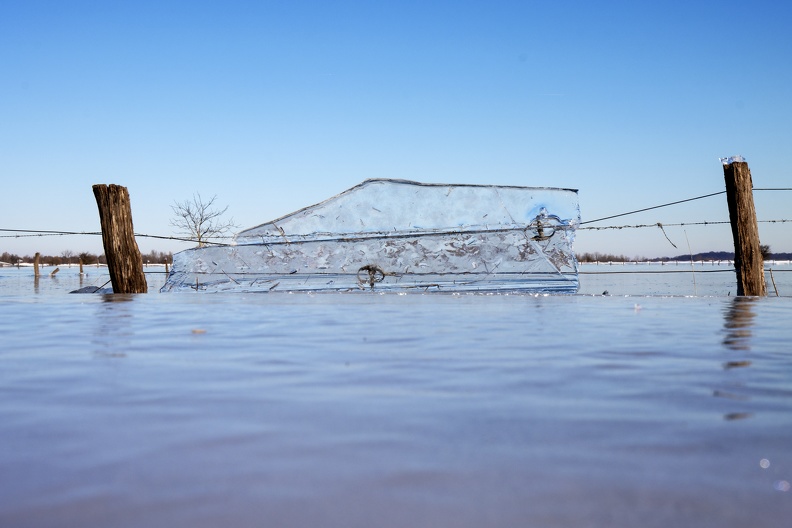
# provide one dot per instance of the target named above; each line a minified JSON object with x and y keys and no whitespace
{"x":394,"y":410}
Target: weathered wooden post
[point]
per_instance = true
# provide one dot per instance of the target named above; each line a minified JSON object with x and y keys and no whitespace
{"x":118,"y":237}
{"x":36,"y":260}
{"x":748,"y":261}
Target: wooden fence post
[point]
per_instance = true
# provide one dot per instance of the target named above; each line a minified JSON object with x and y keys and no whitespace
{"x":118,"y":237}
{"x":748,"y":261}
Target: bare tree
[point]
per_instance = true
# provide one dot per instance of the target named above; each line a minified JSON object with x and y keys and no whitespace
{"x":87,"y":258}
{"x":764,"y":249}
{"x":199,"y":221}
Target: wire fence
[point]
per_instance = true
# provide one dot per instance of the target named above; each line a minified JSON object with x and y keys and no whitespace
{"x":222,"y":240}
{"x":25,"y":233}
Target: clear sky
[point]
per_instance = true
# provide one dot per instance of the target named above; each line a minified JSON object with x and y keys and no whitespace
{"x":275,"y":105}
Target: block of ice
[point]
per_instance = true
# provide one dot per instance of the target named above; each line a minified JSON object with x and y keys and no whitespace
{"x":397,"y":235}
{"x":731,"y":159}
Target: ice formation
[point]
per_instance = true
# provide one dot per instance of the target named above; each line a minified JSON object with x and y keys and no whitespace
{"x":397,"y":235}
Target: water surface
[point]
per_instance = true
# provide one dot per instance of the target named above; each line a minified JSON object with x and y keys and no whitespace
{"x":394,"y":410}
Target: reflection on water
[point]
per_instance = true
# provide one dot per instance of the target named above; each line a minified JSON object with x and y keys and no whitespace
{"x":730,"y":395}
{"x":118,"y":297}
{"x":737,"y":416}
{"x":114,"y":325}
{"x":739,"y":318}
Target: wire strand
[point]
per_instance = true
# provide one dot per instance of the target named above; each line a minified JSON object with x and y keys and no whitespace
{"x":637,"y":226}
{"x":21,"y":233}
{"x":681,"y":201}
{"x":653,"y":207}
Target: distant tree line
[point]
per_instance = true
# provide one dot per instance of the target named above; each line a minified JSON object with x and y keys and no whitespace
{"x":708,"y":256}
{"x":69,"y":257}
{"x":602,"y":257}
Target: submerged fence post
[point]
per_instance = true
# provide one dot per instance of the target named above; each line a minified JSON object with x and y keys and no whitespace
{"x":748,"y":261}
{"x":36,"y":260}
{"x":118,"y":237}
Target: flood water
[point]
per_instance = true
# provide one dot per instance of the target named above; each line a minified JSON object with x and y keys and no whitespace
{"x":359,"y":410}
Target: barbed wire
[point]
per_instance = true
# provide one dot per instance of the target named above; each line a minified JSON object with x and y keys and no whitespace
{"x":656,"y":272}
{"x":625,"y":272}
{"x":638,"y":272}
{"x":661,"y":225}
{"x":679,"y":202}
{"x":42,"y":233}
{"x":652,"y":207}
{"x":25,"y":233}
{"x":179,"y":239}
{"x":32,"y":233}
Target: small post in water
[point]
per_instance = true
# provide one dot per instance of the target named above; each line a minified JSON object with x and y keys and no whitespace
{"x":118,"y":237}
{"x":36,"y":260}
{"x":748,"y":261}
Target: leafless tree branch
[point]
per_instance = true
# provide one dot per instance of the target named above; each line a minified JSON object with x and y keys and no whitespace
{"x":198,"y":221}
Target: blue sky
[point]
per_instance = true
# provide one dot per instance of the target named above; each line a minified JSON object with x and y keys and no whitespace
{"x":272,"y":106}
